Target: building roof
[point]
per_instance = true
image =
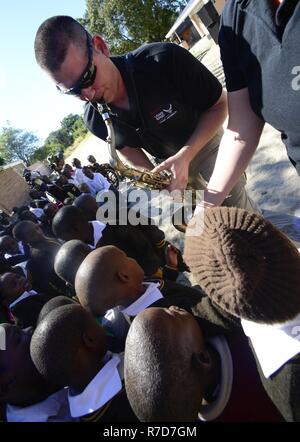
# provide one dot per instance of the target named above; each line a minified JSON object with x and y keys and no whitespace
{"x":12,"y":165}
{"x":191,"y":8}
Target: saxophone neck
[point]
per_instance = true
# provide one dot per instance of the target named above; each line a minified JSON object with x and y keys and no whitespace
{"x":104,"y":111}
{"x":111,"y":140}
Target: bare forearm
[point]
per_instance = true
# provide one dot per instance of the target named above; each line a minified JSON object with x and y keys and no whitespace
{"x":236,"y":149}
{"x":207,"y":127}
{"x":233,"y":158}
{"x":135,"y":158}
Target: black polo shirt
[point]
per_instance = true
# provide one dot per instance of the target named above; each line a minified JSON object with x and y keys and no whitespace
{"x":260,"y":50}
{"x":169,"y":89}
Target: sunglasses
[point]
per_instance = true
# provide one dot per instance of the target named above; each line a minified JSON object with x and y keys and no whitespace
{"x":88,"y":76}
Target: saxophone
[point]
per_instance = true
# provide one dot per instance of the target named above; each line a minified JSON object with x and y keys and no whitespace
{"x":139,"y":178}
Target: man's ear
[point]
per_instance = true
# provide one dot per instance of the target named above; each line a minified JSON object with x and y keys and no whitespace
{"x":202,"y":360}
{"x":100,"y":45}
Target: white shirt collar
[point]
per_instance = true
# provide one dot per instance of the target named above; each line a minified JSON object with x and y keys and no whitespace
{"x":214,"y":409}
{"x":79,"y":176}
{"x":21,"y":247}
{"x":105,"y":385}
{"x":23,"y":296}
{"x":98,"y":228}
{"x":20,"y":252}
{"x":274,"y":344}
{"x":23,"y":266}
{"x":53,"y":409}
{"x":151,"y":295}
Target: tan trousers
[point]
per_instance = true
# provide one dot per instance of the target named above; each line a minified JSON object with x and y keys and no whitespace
{"x":200,"y":171}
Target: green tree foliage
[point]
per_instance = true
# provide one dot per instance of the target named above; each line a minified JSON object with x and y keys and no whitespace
{"x":67,"y":124}
{"x":17,"y":144}
{"x":58,"y":140}
{"x":125,"y":25}
{"x":79,"y":130}
{"x":39,"y":154}
{"x":71,"y":128}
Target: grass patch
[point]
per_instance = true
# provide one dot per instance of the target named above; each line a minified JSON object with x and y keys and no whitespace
{"x":74,"y":146}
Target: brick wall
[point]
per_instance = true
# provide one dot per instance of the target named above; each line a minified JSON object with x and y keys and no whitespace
{"x":13,"y":190}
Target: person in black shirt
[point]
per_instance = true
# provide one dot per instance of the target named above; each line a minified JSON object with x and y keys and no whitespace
{"x":161,"y":97}
{"x":259,"y":42}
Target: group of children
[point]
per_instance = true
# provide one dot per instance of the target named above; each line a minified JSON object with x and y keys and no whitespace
{"x":98,"y":329}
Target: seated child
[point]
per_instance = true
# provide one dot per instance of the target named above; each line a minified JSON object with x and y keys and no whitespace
{"x":173,"y":373}
{"x":41,"y":263}
{"x":23,"y":303}
{"x":54,"y":303}
{"x":50,"y":211}
{"x":109,"y":279}
{"x":252,"y":270}
{"x":88,"y":205}
{"x":112,"y":322}
{"x":29,"y":232}
{"x":13,"y":251}
{"x":20,"y":269}
{"x":84,"y":188}
{"x":70,"y":223}
{"x":27,"y":395}
{"x":96,"y":181}
{"x":69,"y":347}
{"x":68,"y":259}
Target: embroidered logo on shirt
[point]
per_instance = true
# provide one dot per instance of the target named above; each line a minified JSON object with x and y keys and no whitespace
{"x":164,"y":114}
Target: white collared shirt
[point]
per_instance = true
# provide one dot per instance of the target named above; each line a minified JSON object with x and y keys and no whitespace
{"x":116,"y":323}
{"x":37,"y":211}
{"x":274,"y":344}
{"x":100,"y":182}
{"x":151,"y":295}
{"x":79,"y":176}
{"x":53,"y":409}
{"x":98,"y":228}
{"x":23,"y":266}
{"x":23,"y":296}
{"x":105,"y":385}
{"x":73,"y":181}
{"x":21,"y":251}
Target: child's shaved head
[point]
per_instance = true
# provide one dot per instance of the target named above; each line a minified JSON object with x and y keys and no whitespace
{"x":107,"y":278}
{"x":66,"y":344}
{"x":166,"y":365}
{"x":68,"y":259}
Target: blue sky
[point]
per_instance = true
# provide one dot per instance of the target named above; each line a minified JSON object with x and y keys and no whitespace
{"x":28,"y":99}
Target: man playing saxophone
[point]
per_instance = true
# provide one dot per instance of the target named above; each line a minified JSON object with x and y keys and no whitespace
{"x":162,"y":100}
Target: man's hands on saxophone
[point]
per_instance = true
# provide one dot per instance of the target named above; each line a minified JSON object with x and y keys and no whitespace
{"x":178,"y":165}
